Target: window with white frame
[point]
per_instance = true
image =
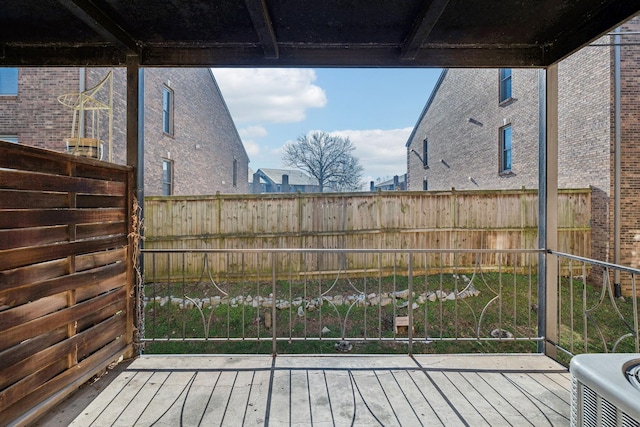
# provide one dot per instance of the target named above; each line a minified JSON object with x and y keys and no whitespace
{"x":167,"y":177}
{"x":505,"y":84}
{"x":235,"y":172}
{"x":167,"y":110}
{"x":505,"y":149}
{"x":425,"y":153}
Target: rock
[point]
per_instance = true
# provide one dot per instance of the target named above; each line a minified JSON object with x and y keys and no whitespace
{"x":401,"y":294}
{"x":371,"y":296}
{"x":300,"y":311}
{"x":283,"y":305}
{"x":465,"y":278}
{"x":249,"y":298}
{"x":451,"y":296}
{"x":375,"y":300}
{"x":385,"y":301}
{"x":501,"y":333}
{"x":338,"y":300}
{"x":344,"y":346}
{"x":326,"y":330}
{"x":422,"y":299}
{"x":297,"y":302}
{"x":404,"y":304}
{"x":432,"y":296}
{"x":268,"y":303}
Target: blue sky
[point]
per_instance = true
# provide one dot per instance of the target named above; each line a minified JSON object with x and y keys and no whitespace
{"x":375,"y":108}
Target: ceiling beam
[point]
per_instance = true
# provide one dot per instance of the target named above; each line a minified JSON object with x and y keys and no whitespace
{"x":264,"y":28}
{"x":98,"y":21}
{"x":251,"y":55}
{"x":422,"y":28}
{"x":591,"y":26}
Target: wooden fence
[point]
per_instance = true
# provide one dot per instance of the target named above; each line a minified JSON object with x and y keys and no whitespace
{"x":65,"y":275}
{"x":383,"y":220}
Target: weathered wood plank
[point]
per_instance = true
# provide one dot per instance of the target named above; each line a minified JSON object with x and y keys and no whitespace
{"x":24,"y":387}
{"x":13,"y":199}
{"x":63,"y":384}
{"x":92,"y":260}
{"x":32,"y":181}
{"x":31,"y":310}
{"x":90,"y":201}
{"x":12,"y":336}
{"x":85,"y":231}
{"x":14,"y":258}
{"x":53,"y":217}
{"x":33,"y":346}
{"x":85,"y":342}
{"x":108,"y":276}
{"x":21,"y":237}
{"x":32,"y":274}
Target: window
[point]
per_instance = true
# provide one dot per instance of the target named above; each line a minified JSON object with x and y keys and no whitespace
{"x":167,"y":110}
{"x":425,"y":184}
{"x":167,"y":177}
{"x":505,"y":84}
{"x":235,"y":172}
{"x":505,"y":149}
{"x":425,"y":153}
{"x":8,"y":81}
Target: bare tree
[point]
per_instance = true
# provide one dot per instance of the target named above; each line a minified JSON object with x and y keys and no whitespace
{"x":327,"y":158}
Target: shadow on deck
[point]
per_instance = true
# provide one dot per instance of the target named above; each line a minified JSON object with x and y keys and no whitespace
{"x":326,"y":391}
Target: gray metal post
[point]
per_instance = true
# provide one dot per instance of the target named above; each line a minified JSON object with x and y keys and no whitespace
{"x":548,"y":208}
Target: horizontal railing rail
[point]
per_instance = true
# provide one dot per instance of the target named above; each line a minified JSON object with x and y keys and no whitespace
{"x":593,"y":316}
{"x":359,"y":300}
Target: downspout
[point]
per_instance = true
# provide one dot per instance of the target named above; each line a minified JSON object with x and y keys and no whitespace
{"x":617,"y":162}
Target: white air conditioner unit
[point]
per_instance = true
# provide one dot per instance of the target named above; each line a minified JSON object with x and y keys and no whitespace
{"x":605,"y":390}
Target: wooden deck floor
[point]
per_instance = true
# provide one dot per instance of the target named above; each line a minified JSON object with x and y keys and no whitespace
{"x":334,"y":391}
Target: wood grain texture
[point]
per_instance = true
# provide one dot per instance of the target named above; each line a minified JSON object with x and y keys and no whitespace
{"x":64,"y":282}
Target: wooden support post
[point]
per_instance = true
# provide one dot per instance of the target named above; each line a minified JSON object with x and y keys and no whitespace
{"x":135,"y":158}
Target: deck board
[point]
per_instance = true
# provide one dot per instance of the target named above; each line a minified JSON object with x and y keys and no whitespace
{"x":327,"y":391}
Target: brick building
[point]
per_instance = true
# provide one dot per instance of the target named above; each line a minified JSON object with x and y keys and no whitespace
{"x":479,"y":130}
{"x":191,"y":143}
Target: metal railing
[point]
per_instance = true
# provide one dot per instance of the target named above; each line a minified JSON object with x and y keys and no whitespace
{"x":317,"y":300}
{"x":593,"y":316}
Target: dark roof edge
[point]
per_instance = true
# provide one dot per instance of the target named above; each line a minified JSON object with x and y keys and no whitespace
{"x":427,"y":105}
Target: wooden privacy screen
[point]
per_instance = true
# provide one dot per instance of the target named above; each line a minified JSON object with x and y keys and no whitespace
{"x":65,"y":276}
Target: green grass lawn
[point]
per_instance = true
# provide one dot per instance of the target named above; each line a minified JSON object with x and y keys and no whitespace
{"x":506,"y":302}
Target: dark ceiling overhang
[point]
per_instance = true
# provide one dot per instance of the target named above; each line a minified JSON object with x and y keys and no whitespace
{"x":284,"y":33}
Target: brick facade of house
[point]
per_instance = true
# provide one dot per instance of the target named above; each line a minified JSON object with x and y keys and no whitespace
{"x":205,"y":146}
{"x":462,"y":123}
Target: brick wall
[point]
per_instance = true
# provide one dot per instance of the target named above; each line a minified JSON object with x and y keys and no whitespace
{"x":203,"y":147}
{"x":463,"y":122}
{"x":35,"y":115}
{"x":205,"y":141}
{"x":630,"y":149}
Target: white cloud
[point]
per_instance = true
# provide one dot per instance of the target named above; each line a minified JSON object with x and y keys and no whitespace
{"x":253,"y":132}
{"x":274,"y":95}
{"x":251,"y":147}
{"x":382,"y":153}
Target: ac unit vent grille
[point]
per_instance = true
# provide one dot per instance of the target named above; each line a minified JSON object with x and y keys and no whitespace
{"x":594,"y":410}
{"x":627,"y":421}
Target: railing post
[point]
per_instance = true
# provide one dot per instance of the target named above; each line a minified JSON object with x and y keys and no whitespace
{"x":548,"y":210}
{"x":274,"y":324}
{"x":410,"y":306}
